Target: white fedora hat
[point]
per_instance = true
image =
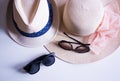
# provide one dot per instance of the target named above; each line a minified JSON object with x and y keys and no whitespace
{"x":32,"y":23}
{"x":95,"y":23}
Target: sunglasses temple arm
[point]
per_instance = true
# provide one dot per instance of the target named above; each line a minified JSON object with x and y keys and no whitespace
{"x":75,"y":39}
{"x":47,"y":49}
{"x":52,"y":53}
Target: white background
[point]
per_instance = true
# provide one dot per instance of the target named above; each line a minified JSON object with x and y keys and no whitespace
{"x":13,"y":57}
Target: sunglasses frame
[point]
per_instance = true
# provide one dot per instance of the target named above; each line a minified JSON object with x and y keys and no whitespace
{"x":46,"y":60}
{"x":86,"y":46}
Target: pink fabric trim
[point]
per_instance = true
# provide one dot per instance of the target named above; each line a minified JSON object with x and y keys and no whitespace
{"x":109,"y":28}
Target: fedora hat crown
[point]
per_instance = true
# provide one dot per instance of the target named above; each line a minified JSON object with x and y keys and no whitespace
{"x":31,"y":15}
{"x":32,"y":23}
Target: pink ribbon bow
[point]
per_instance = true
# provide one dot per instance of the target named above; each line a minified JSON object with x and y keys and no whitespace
{"x":109,"y":28}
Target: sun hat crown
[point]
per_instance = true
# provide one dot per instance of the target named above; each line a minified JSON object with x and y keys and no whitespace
{"x":82,"y":17}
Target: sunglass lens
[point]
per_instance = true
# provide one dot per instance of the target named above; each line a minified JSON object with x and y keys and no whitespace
{"x":82,"y":49}
{"x":65,"y":45}
{"x":49,"y":60}
{"x":32,"y":68}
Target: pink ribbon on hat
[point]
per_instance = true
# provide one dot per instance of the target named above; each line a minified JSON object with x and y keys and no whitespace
{"x":109,"y":28}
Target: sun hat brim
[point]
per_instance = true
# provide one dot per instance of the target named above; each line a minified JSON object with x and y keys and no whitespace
{"x":36,"y":41}
{"x":77,"y":58}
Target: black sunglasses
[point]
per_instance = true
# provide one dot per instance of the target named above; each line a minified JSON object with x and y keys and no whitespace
{"x":67,"y":45}
{"x":34,"y":66}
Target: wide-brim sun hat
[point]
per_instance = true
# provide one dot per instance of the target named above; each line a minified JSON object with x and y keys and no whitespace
{"x":103,"y":33}
{"x":32,"y":23}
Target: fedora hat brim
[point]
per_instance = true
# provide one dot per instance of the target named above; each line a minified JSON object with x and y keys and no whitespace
{"x":36,"y":41}
{"x":77,"y":58}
